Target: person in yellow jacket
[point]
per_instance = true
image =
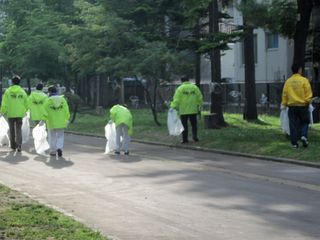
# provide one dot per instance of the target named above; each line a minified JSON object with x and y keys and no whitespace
{"x":57,"y":118}
{"x":297,"y":95}
{"x":122,"y":118}
{"x":188,"y":100}
{"x":14,"y":105}
{"x":36,"y":102}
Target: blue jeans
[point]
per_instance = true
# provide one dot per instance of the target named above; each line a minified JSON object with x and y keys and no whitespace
{"x":298,"y":123}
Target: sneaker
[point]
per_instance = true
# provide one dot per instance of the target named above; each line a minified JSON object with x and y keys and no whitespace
{"x":295,"y":146}
{"x":59,"y":151}
{"x":126,"y":153}
{"x":117,"y":152}
{"x":304,"y":141}
{"x":19,"y":149}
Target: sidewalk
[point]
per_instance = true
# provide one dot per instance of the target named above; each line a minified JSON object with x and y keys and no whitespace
{"x":167,"y":193}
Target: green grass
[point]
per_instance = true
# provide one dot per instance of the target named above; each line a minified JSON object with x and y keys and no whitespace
{"x":263,"y":137}
{"x":25,"y":219}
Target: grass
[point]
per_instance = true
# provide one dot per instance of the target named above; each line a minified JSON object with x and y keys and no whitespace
{"x":263,"y":137}
{"x":24,"y":219}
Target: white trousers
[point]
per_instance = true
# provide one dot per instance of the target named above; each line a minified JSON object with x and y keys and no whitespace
{"x":122,"y":132}
{"x":56,"y":139}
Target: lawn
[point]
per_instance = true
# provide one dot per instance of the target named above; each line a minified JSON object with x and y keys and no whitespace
{"x":263,"y":137}
{"x":24,"y":219}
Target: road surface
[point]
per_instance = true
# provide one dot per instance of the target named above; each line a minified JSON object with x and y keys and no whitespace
{"x":170,"y":194}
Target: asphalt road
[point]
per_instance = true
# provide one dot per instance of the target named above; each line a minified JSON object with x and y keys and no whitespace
{"x":162,"y":193}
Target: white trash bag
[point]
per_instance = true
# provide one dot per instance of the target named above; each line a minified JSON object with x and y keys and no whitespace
{"x":175,"y":126}
{"x":311,"y":108}
{"x":39,"y":134}
{"x":25,"y":128}
{"x":4,"y":127}
{"x":110,"y":133}
{"x":284,"y":119}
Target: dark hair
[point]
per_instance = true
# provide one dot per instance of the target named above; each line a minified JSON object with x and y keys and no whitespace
{"x":39,"y":86}
{"x":184,"y":79}
{"x":16,"y":80}
{"x":295,"y":67}
{"x":52,"y":89}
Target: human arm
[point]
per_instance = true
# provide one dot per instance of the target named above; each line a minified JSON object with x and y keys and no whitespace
{"x":176,"y":100}
{"x":284,"y":97}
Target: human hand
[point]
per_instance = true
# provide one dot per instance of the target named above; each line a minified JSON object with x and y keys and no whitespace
{"x":283,"y":107}
{"x":41,"y":123}
{"x":110,"y":122}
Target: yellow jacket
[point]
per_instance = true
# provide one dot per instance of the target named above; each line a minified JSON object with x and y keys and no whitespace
{"x":296,"y":91}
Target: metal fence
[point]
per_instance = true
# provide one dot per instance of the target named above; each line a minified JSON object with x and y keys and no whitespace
{"x":268,"y":96}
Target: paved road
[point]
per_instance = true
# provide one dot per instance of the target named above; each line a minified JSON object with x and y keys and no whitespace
{"x":162,"y":193}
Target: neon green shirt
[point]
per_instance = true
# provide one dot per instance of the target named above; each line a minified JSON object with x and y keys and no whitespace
{"x":56,"y":112}
{"x":14,"y":102}
{"x":36,"y":102}
{"x":120,"y":114}
{"x":187,"y":99}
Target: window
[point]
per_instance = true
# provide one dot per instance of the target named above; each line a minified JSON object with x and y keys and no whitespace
{"x":272,"y":40}
{"x":255,"y":50}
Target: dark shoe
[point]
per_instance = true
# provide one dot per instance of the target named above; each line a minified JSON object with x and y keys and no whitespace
{"x":185,"y":141}
{"x":19,"y":149}
{"x":126,"y":153}
{"x":196,"y":139}
{"x":53,"y":154}
{"x":295,"y":146}
{"x":117,"y":152}
{"x":59,"y":151}
{"x":304,"y":141}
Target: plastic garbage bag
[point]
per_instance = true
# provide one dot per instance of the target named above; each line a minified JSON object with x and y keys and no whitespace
{"x":175,"y":126}
{"x":4,"y":127}
{"x":311,"y":108}
{"x":39,"y":134}
{"x":284,"y":119}
{"x":25,"y":128}
{"x":110,"y":133}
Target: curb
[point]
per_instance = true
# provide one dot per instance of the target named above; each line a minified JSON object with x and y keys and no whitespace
{"x":219,"y":151}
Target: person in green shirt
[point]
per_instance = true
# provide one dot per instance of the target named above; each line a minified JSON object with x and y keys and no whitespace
{"x":14,"y":105}
{"x":36,"y":102}
{"x":188,"y":100}
{"x":57,"y":118}
{"x":122,"y":118}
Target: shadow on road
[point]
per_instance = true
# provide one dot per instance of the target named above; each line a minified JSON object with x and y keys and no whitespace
{"x":13,"y":157}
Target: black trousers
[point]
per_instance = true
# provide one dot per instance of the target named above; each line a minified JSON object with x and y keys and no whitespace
{"x":15,"y":125}
{"x":298,"y":123}
{"x":193,"y":121}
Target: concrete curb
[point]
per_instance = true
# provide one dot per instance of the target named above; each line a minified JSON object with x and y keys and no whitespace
{"x":219,"y":151}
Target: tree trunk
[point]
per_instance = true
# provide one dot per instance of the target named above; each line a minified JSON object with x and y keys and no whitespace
{"x":302,"y":28}
{"x":151,"y":102}
{"x":250,"y":111}
{"x":75,"y":111}
{"x":316,"y":46}
{"x":29,"y":86}
{"x":198,"y":59}
{"x":215,"y":57}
